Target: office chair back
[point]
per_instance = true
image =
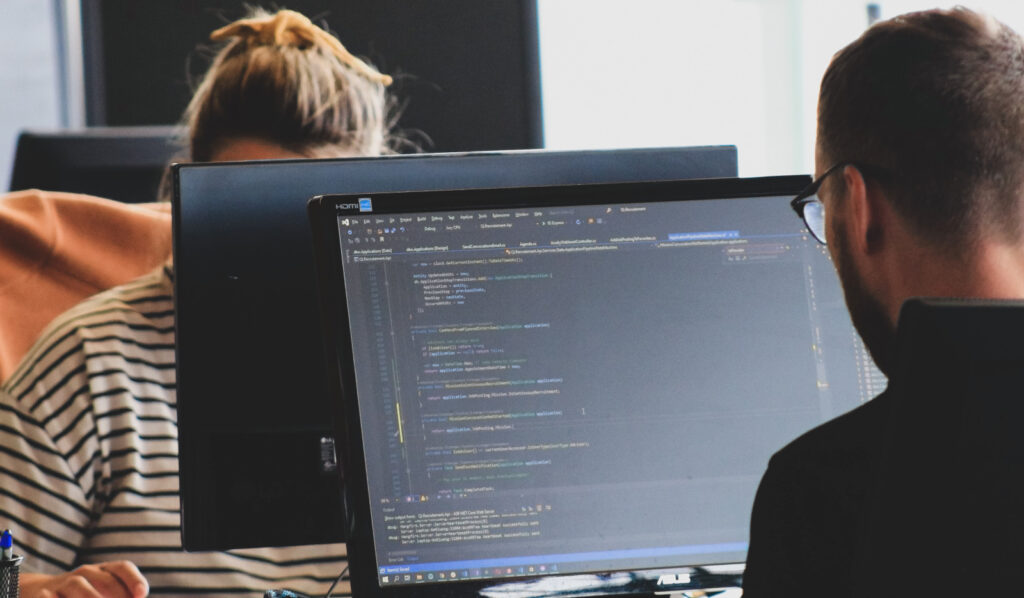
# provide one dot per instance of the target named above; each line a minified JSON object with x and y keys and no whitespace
{"x":121,"y":163}
{"x":947,"y":512}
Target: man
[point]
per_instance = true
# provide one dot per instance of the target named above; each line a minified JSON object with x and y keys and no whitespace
{"x":920,"y":174}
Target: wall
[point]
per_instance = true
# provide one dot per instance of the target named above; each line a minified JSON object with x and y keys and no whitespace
{"x":29,"y":73}
{"x":466,"y":68}
{"x":694,"y":72}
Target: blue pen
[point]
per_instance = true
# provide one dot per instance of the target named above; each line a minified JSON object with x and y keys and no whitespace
{"x":6,"y":545}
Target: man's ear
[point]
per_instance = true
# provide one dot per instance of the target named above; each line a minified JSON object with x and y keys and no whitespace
{"x":865,"y":211}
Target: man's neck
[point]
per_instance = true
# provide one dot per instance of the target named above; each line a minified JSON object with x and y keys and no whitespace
{"x":997,"y":272}
{"x":988,"y":271}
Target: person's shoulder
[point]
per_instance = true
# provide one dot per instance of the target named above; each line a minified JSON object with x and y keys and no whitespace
{"x":146,"y":297}
{"x":96,"y":242}
{"x":140,"y":307}
{"x":34,"y":220}
{"x":43,"y":205}
{"x":843,"y":442}
{"x":808,"y":504}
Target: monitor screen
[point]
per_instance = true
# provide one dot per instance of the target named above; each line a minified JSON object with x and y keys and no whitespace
{"x":574,"y":380}
{"x":254,"y":422}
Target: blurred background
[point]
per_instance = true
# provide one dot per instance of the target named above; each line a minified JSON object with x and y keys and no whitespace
{"x":500,"y":74}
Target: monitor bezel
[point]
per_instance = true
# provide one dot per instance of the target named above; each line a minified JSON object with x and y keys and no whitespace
{"x":323,"y":219}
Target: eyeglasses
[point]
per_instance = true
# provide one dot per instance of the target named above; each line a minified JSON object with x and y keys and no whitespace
{"x":808,"y":206}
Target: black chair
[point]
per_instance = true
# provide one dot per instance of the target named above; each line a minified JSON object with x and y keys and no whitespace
{"x":121,"y":163}
{"x":946,"y":515}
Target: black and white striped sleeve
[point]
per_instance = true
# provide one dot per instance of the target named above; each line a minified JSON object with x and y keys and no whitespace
{"x":41,"y":498}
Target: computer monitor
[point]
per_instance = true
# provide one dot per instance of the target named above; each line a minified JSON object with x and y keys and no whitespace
{"x":254,"y":422}
{"x":121,"y":163}
{"x":573,"y":390}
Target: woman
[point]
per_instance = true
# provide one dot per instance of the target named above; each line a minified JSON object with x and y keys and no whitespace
{"x":88,"y":420}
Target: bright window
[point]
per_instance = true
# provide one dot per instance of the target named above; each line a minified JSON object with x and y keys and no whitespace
{"x":700,"y":72}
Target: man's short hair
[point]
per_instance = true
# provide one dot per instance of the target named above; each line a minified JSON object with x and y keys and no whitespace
{"x":934,"y":101}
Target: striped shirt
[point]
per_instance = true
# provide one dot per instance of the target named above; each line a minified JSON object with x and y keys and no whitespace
{"x":89,"y":463}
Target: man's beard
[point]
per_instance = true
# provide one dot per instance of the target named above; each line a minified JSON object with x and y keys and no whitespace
{"x":866,"y":311}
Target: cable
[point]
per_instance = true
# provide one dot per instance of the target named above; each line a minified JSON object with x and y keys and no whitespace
{"x":336,"y":580}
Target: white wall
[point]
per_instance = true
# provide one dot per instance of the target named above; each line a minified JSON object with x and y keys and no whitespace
{"x":697,"y":72}
{"x":1010,"y":12}
{"x":29,"y":74}
{"x":653,"y":73}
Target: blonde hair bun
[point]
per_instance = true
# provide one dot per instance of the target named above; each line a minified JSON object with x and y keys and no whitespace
{"x":289,"y":28}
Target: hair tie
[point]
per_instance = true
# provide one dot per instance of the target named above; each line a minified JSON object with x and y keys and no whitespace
{"x":289,"y":28}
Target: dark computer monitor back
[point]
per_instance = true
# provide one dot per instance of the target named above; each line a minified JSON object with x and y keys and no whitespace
{"x":121,"y":163}
{"x":251,"y":377}
{"x":947,"y":508}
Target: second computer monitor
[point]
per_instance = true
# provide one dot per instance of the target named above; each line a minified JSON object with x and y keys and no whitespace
{"x":256,"y":459}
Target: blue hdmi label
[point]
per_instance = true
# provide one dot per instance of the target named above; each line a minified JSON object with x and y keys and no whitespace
{"x":365,"y":204}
